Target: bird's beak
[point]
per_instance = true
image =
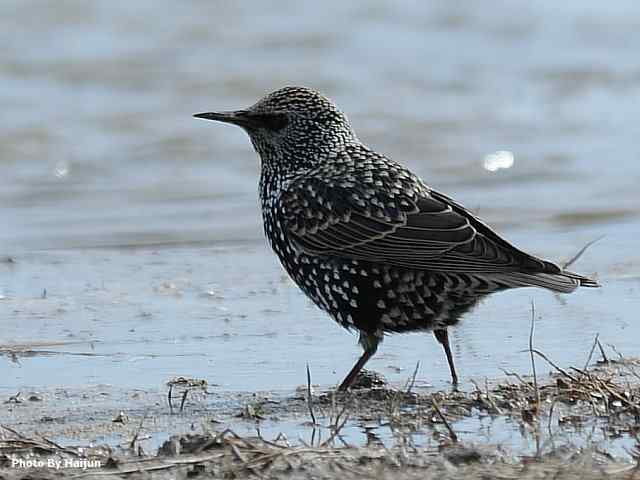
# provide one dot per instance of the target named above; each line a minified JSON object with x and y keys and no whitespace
{"x":237,"y":117}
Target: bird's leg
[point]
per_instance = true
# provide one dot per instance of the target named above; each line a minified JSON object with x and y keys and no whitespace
{"x":370,"y":344}
{"x":443,"y":337}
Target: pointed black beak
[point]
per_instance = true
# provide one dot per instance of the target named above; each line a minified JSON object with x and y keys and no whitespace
{"x":238,"y":117}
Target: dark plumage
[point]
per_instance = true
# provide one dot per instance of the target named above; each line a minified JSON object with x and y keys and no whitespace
{"x":367,"y":240}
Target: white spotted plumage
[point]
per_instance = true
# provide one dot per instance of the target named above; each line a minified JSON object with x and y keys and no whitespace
{"x":365,"y":238}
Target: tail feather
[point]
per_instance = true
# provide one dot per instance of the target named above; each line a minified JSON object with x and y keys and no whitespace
{"x":563,"y":282}
{"x":583,"y":281}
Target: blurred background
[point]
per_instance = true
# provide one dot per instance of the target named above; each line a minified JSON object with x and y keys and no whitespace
{"x":131,"y":238}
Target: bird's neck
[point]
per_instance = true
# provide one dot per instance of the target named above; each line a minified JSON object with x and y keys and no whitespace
{"x":271,"y":184}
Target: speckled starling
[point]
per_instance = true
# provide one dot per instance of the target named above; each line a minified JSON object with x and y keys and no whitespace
{"x":366,"y":239}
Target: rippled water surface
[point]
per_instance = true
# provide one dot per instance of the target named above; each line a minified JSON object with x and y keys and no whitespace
{"x":131,"y":237}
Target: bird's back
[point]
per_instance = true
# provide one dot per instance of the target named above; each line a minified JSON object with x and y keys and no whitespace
{"x":361,"y":205}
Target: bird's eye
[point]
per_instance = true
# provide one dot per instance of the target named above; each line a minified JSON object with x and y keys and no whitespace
{"x":272,"y":121}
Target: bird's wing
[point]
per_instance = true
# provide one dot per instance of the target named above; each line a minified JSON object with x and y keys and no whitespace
{"x":398,"y":221}
{"x":488,"y":252}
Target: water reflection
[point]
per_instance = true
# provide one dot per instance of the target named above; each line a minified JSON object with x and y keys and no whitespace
{"x":498,"y":160}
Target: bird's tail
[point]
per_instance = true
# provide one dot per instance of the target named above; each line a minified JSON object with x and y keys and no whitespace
{"x":582,"y":281}
{"x":563,"y":282}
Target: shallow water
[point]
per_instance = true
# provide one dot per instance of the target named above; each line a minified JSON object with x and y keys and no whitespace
{"x":142,"y":226}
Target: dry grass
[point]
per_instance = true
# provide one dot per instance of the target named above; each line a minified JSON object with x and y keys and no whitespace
{"x":228,"y":455}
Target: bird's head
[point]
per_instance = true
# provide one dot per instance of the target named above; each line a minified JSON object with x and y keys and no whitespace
{"x":293,"y":128}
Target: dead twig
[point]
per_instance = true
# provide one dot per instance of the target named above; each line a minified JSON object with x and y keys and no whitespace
{"x":553,"y":404}
{"x":518,"y":377}
{"x":132,"y":443}
{"x":58,"y":447}
{"x":396,"y":399}
{"x":153,"y":464}
{"x":17,"y":434}
{"x":44,"y":443}
{"x":184,"y":399}
{"x":309,"y":398}
{"x":559,"y":369}
{"x":593,"y":347}
{"x":533,"y":362}
{"x":487,"y":398}
{"x":452,"y":434}
{"x":575,"y":258}
{"x":604,"y":355}
{"x":412,"y":381}
{"x":337,"y":425}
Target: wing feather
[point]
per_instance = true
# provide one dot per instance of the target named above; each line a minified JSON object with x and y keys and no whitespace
{"x":402,"y":222}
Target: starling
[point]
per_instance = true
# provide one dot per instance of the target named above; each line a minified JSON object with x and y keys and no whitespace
{"x":365,"y":238}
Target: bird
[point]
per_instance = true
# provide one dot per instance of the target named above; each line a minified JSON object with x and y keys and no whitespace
{"x":365,"y":238}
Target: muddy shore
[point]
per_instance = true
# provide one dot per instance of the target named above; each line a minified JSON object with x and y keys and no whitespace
{"x":579,"y":423}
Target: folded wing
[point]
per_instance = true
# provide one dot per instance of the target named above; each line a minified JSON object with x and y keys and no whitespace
{"x":397,"y":221}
